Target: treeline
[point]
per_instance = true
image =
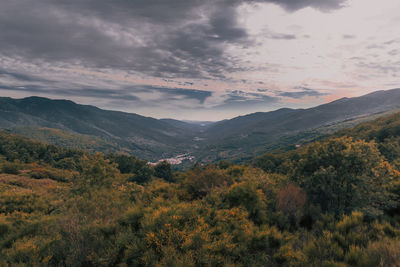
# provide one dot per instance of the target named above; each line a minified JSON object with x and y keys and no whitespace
{"x":331,"y":203}
{"x":68,"y":139}
{"x":17,"y":151}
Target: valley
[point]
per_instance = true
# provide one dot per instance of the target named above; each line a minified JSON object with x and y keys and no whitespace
{"x":190,"y":133}
{"x":68,"y":124}
{"x":68,"y":207}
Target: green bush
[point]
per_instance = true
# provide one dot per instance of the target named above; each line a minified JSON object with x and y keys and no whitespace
{"x":163,"y":170}
{"x":11,"y":168}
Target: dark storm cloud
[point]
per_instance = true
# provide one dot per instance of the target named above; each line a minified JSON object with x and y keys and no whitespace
{"x":34,"y":85}
{"x":180,"y":38}
{"x":157,"y":38}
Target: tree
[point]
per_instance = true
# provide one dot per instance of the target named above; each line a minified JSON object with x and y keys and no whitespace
{"x":269,"y":162}
{"x":143,"y":173}
{"x":342,"y":175}
{"x":199,"y":183}
{"x":164,"y":170}
{"x":127,"y":164}
{"x":252,"y":199}
{"x":291,"y":199}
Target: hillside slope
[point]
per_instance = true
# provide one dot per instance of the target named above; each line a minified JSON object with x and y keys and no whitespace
{"x":239,"y":138}
{"x":333,"y":202}
{"x":254,"y":133}
{"x":145,"y":136}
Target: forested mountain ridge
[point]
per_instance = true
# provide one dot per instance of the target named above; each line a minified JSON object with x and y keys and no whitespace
{"x":138,"y":134}
{"x":286,"y":120}
{"x":335,"y":202}
{"x":256,"y":132}
{"x":239,"y":138}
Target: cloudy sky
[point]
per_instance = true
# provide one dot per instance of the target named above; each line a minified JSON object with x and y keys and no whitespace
{"x":198,"y":59}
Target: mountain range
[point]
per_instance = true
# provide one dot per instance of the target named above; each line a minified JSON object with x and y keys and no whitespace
{"x":65,"y":122}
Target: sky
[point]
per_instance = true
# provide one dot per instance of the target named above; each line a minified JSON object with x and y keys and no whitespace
{"x":198,"y":59}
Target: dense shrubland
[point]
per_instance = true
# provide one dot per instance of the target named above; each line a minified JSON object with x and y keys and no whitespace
{"x":330,"y":203}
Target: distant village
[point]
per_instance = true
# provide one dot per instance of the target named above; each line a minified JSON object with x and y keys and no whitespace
{"x":175,"y":160}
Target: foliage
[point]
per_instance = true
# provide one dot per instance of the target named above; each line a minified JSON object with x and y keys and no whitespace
{"x":330,"y":203}
{"x":10,"y":168}
{"x":342,"y":175}
{"x":164,"y":170}
{"x":200,"y":182}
